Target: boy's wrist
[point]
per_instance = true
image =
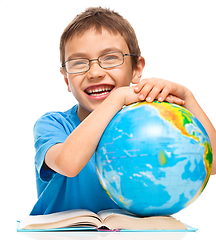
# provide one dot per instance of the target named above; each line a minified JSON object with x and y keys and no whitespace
{"x":118,"y":96}
{"x":125,"y":96}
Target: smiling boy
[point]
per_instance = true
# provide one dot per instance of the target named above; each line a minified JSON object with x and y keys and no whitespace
{"x":100,"y":58}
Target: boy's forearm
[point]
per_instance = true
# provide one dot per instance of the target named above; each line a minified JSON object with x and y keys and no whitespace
{"x":81,"y":144}
{"x":192,"y":105}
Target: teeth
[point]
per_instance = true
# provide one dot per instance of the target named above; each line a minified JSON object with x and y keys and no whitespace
{"x":104,"y":89}
{"x":98,"y":94}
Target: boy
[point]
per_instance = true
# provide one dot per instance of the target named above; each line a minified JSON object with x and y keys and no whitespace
{"x":100,"y":57}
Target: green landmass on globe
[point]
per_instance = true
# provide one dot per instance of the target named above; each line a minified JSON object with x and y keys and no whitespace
{"x":154,"y":158}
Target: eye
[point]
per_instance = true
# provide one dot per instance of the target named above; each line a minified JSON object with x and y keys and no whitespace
{"x":110,"y":57}
{"x":77,"y":63}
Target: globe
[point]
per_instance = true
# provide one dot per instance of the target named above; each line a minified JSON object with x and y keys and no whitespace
{"x":154,"y":158}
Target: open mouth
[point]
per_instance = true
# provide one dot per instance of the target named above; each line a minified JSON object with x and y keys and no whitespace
{"x":99,"y":90}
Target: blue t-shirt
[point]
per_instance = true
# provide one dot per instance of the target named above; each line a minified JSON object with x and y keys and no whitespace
{"x":56,"y":192}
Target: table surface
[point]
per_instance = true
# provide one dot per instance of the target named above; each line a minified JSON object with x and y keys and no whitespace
{"x":205,"y":229}
{"x":200,"y":234}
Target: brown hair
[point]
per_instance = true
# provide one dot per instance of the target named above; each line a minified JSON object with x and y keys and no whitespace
{"x":101,"y":18}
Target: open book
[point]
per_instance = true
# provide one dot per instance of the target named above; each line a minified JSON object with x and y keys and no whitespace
{"x":115,"y":220}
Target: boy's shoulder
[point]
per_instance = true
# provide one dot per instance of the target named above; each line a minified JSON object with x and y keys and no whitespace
{"x":57,"y":117}
{"x":70,"y":112}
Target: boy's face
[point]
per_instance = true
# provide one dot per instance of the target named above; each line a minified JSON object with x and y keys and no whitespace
{"x":92,"y":87}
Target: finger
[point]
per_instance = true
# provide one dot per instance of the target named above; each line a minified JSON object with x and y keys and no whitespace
{"x":169,"y":99}
{"x":164,"y":94}
{"x":140,"y":85}
{"x":173,"y":99}
{"x":143,"y":82}
{"x":154,"y":93}
{"x":179,"y":101}
{"x":145,"y":91}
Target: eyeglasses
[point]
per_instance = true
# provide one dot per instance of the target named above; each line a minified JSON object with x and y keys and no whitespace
{"x":108,"y":60}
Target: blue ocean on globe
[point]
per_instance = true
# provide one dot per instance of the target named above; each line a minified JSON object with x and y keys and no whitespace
{"x":154,"y":158}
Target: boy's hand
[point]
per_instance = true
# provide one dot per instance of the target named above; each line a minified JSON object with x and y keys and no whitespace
{"x":151,"y":89}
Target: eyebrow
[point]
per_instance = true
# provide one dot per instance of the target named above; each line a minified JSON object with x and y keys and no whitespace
{"x":110,"y":49}
{"x":84,"y":55}
{"x":77,"y":55}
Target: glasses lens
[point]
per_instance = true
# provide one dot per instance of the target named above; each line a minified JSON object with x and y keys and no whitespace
{"x":111,"y":59}
{"x":77,"y":65}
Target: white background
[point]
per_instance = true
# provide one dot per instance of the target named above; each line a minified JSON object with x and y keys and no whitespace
{"x":177,"y":40}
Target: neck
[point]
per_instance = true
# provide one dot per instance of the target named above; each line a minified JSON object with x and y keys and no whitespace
{"x":82,"y":112}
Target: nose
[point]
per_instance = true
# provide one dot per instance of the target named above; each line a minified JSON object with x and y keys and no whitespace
{"x":95,"y":72}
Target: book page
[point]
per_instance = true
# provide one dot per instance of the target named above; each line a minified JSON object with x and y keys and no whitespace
{"x":60,"y":218}
{"x":121,"y":219}
{"x":146,"y":223}
{"x":111,"y":212}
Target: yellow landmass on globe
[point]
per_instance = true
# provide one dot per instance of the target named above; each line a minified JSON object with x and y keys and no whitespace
{"x":162,"y":158}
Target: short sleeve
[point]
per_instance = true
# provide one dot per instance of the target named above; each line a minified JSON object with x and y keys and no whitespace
{"x":49,"y":130}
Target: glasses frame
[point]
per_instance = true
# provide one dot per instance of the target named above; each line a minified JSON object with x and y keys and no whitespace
{"x":98,"y":60}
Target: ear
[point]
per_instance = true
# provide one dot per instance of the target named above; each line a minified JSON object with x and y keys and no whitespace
{"x":137,"y":72}
{"x":63,"y":72}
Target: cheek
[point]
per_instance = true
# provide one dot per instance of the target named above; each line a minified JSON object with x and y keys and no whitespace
{"x":73,"y":88}
{"x":123,"y":77}
{"x":127,"y":72}
{"x":73,"y":83}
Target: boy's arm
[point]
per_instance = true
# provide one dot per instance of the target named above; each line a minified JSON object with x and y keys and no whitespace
{"x":70,"y":157}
